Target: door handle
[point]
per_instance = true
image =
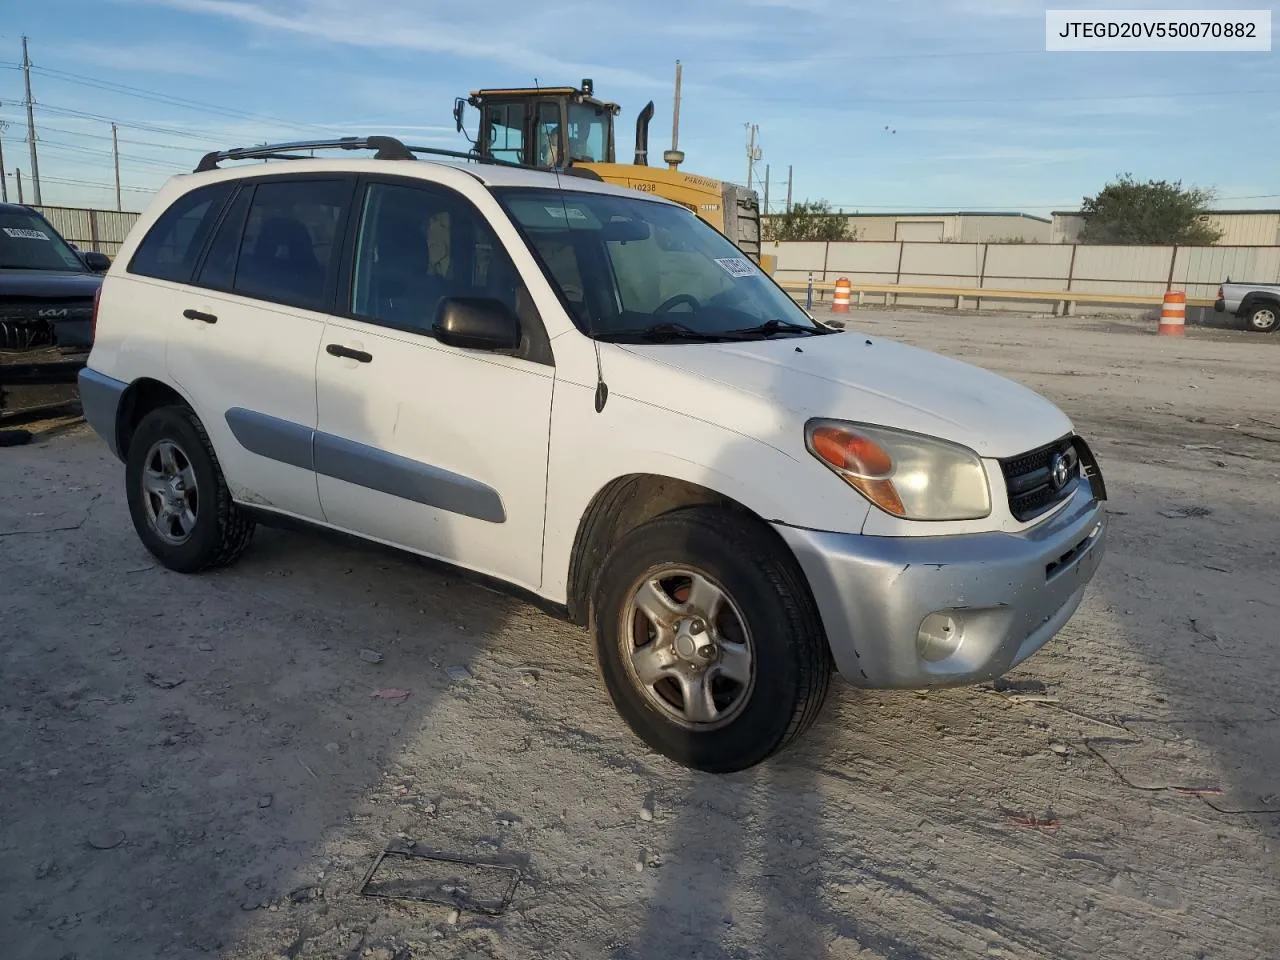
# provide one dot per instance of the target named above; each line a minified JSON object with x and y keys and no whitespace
{"x":338,"y":350}
{"x":197,"y":315}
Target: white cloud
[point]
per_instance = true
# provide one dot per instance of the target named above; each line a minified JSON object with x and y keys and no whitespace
{"x":167,"y":57}
{"x":511,"y":42}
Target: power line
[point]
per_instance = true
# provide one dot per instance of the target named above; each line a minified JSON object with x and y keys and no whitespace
{"x":131,"y":124}
{"x":142,"y":94}
{"x":106,"y":155}
{"x":936,"y":55}
{"x":95,"y":183}
{"x":867,"y":101}
{"x":103,"y":136}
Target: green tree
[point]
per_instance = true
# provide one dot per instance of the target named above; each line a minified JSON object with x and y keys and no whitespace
{"x":1155,"y":212}
{"x":810,"y":220}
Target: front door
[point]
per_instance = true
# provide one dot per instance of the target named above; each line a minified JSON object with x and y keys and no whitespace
{"x":439,"y":449}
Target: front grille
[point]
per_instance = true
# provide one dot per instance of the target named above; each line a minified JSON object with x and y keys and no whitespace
{"x":1030,"y":479}
{"x":28,"y":323}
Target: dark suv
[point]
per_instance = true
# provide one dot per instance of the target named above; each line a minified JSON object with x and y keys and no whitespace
{"x":47,"y":288}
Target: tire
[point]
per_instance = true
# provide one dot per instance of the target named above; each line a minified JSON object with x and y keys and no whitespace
{"x":768,"y":704}
{"x":206,"y":529}
{"x":1263,"y":317}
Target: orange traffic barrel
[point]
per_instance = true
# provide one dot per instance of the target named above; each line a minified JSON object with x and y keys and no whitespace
{"x":840,"y":302}
{"x":1173,"y":314}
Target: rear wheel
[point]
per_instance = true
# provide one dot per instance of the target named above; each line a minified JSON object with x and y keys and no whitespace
{"x":178,"y":498}
{"x":1263,"y":318}
{"x":707,"y":640}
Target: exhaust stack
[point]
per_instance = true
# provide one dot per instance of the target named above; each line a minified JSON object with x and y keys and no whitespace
{"x":642,"y":135}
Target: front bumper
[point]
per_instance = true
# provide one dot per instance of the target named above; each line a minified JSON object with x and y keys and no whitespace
{"x":1010,"y":593}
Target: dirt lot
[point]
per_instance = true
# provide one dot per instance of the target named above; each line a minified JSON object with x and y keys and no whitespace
{"x":195,"y":766}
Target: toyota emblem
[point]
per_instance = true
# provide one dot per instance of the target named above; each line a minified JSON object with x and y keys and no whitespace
{"x":1060,"y":471}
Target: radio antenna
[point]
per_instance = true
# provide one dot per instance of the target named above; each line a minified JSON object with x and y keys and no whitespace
{"x":602,"y":388}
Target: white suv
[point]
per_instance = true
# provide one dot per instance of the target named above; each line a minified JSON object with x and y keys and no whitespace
{"x":587,"y":394}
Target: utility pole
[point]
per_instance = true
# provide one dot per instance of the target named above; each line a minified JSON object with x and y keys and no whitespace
{"x":674,"y":157}
{"x":753,"y":154}
{"x":17,"y":172}
{"x":31,"y":123}
{"x":766,"y":189}
{"x":789,"y":170}
{"x":115,"y":154}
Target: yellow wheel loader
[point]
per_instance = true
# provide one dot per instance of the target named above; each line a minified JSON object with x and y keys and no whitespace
{"x":568,"y":129}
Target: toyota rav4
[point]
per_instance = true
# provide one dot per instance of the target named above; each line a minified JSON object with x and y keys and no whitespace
{"x":590,"y":395}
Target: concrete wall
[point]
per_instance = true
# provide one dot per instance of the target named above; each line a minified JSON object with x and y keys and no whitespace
{"x":1010,"y":266}
{"x":1239,"y":228}
{"x":100,"y":230}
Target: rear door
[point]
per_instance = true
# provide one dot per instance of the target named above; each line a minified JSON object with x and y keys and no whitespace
{"x":245,"y":335}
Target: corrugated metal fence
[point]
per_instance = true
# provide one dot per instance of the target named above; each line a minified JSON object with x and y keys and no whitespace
{"x":1028,"y":266}
{"x":100,"y":230}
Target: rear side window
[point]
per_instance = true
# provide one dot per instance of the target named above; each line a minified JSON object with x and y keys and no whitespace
{"x":172,"y":246}
{"x":219,"y":267}
{"x":289,"y":249}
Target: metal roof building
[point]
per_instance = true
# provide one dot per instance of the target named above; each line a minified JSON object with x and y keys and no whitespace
{"x":960,"y":226}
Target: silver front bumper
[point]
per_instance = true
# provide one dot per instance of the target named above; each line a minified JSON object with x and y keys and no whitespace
{"x":1009,"y":592}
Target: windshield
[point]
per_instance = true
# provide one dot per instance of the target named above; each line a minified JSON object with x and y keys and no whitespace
{"x":27,"y":242}
{"x":588,"y":138}
{"x":633,"y":269}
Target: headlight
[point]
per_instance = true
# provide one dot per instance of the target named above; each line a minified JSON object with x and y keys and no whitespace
{"x":904,"y":474}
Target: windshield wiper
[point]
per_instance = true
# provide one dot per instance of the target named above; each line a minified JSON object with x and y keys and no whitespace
{"x":778,"y":325}
{"x":664,"y":332}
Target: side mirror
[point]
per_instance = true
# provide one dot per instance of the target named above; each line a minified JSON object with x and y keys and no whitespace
{"x":97,"y":262}
{"x":477,"y":323}
{"x":458,"y":106}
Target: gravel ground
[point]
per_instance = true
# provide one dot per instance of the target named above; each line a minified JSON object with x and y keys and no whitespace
{"x":195,"y":766}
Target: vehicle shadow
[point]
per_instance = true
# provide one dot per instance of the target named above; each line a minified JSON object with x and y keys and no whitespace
{"x":179,"y":747}
{"x":973,"y":823}
{"x":749,"y":855}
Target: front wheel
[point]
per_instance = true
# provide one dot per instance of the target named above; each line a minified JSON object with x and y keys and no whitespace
{"x":708,"y":642}
{"x":1263,"y":318}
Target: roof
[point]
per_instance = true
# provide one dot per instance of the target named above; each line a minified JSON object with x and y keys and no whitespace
{"x":491,"y":175}
{"x":951,"y":213}
{"x":1216,"y":213}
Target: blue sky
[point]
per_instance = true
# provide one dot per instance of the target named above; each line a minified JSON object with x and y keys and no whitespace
{"x":896,"y":105}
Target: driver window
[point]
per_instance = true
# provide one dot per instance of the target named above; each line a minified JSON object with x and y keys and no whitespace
{"x":548,"y":133}
{"x":417,"y":247}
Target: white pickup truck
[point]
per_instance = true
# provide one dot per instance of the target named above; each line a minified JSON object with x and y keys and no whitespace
{"x":589,"y":395}
{"x":1257,"y":304}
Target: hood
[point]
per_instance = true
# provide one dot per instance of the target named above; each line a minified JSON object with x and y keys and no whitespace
{"x":847,"y":376}
{"x":50,"y":284}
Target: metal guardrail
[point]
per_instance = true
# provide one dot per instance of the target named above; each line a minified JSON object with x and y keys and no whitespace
{"x":1064,"y":300}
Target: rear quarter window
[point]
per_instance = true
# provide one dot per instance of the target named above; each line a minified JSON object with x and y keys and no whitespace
{"x":172,"y":246}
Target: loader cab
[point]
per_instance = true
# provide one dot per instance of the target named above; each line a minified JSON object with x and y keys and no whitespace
{"x":550,"y":127}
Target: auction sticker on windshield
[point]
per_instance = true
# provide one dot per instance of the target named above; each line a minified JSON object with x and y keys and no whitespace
{"x":22,"y":234}
{"x":560,"y":213}
{"x":737,"y":266}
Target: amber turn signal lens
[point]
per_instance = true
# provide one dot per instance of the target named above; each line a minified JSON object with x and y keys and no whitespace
{"x":851,"y":453}
{"x":863,"y":464}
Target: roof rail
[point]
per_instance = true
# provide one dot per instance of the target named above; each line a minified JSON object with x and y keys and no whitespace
{"x":388,"y":148}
